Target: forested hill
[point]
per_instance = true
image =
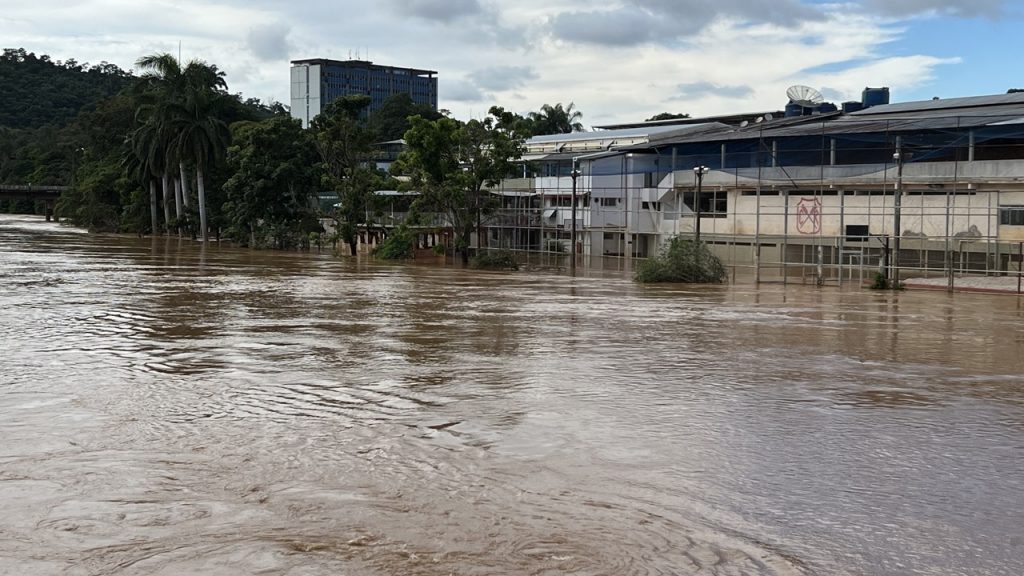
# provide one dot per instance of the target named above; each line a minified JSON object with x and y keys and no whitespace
{"x":36,"y":91}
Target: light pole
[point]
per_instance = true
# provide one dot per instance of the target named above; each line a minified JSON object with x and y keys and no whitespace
{"x":698,"y":173}
{"x":575,"y":174}
{"x":899,"y":157}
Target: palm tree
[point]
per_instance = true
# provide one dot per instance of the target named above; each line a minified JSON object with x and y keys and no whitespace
{"x":145,"y":160}
{"x":556,"y":120}
{"x":185,"y":104}
{"x":160,"y":86}
{"x":137,"y":167}
{"x":203,"y":138}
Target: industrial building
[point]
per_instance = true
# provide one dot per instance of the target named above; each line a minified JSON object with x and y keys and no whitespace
{"x":316,"y":82}
{"x":819,"y":192}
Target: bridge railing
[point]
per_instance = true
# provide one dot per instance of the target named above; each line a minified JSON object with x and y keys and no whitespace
{"x":31,"y":187}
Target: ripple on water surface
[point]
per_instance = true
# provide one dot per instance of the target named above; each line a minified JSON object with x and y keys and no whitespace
{"x":173,"y":409}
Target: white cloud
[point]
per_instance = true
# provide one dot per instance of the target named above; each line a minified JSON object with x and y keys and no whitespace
{"x":649,"y":56}
{"x":269,"y":42}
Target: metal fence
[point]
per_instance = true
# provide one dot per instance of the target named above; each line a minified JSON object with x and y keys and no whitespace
{"x":827,"y":202}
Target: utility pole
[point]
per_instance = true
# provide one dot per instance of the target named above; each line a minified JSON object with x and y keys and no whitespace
{"x":575,"y":174}
{"x":698,"y":173}
{"x":899,"y":157}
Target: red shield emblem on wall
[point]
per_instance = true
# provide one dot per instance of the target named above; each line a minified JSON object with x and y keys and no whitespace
{"x":808,"y":216}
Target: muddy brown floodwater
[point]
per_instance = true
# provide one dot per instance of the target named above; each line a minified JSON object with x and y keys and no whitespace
{"x":167,"y":410}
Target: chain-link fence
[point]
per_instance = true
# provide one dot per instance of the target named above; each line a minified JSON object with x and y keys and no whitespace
{"x":827,"y":201}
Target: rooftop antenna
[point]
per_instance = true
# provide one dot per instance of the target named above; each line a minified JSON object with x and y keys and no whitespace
{"x":804,"y":96}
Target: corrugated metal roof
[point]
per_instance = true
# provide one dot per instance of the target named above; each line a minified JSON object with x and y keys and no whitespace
{"x":623,"y":133}
{"x":846,"y":124}
{"x":1007,"y":122}
{"x":944,"y":104}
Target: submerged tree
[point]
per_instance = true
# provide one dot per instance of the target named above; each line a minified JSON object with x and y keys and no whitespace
{"x":344,"y":143}
{"x":269,"y":192}
{"x":452,"y":163}
{"x":185,"y":106}
{"x":682,"y":260}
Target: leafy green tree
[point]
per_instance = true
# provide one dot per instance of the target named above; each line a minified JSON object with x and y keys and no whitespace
{"x":391,"y":120}
{"x":95,"y":203}
{"x":269,"y":193}
{"x":344,"y":143}
{"x":682,"y":260}
{"x":452,"y":163}
{"x":511,"y":123}
{"x":666,"y":116}
{"x":75,"y":124}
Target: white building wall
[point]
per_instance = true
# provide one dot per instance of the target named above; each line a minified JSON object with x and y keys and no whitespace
{"x":305,"y":93}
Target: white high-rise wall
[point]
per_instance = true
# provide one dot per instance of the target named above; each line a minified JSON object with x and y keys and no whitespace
{"x":306,"y":93}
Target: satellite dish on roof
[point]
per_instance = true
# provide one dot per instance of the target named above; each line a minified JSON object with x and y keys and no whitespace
{"x":768,"y":117}
{"x":804,"y":96}
{"x":744,"y":124}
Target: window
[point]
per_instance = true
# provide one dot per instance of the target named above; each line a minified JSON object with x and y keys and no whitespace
{"x":1011,"y":215}
{"x":656,"y":206}
{"x":608,"y":202}
{"x":712,"y":204}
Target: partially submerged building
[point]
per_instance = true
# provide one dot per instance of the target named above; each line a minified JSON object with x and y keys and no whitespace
{"x":940,"y":183}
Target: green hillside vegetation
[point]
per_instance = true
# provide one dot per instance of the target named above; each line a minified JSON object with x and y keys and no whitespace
{"x":170,"y":150}
{"x":38,"y":91}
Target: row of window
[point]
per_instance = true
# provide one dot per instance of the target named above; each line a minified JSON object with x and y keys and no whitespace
{"x":713,"y":205}
{"x":1011,"y":215}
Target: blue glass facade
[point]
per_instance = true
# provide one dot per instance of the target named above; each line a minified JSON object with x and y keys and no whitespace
{"x":347,"y":77}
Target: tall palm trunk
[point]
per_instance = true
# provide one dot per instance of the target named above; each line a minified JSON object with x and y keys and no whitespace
{"x":184,"y":185}
{"x":201,"y":189}
{"x":177,"y":198}
{"x":152,"y":205}
{"x":167,"y":202}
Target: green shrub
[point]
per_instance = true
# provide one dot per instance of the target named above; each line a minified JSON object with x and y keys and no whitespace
{"x":494,"y":260}
{"x":682,"y":260}
{"x":397,"y":246}
{"x":880,"y":282}
{"x":440,"y":249}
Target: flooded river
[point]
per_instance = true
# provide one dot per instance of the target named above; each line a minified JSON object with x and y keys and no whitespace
{"x":167,"y":410}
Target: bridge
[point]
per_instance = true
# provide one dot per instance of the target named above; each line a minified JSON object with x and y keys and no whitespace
{"x":47,"y":194}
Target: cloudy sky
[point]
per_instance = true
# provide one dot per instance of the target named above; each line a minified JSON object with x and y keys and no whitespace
{"x":621,"y":60}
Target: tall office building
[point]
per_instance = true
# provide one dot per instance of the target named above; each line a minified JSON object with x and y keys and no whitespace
{"x":316,"y":82}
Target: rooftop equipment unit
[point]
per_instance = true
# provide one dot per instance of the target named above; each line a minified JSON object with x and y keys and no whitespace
{"x":794,"y":109}
{"x":803,"y":100}
{"x":852,"y":106}
{"x":875,"y":97}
